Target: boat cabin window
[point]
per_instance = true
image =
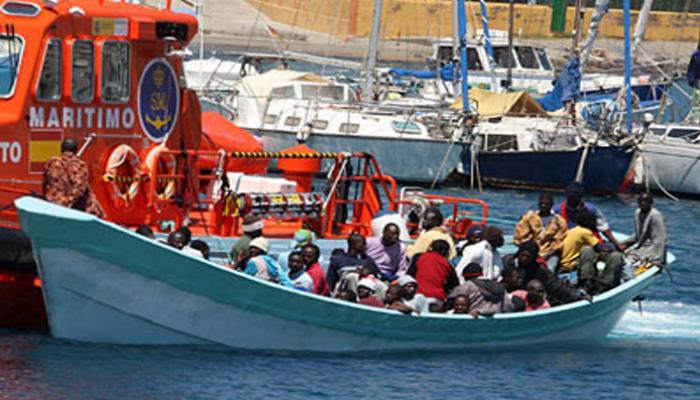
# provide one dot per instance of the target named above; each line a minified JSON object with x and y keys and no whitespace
{"x":444,"y":53}
{"x":10,"y":53}
{"x":473,"y":60}
{"x":292,"y":121}
{"x":271,"y":118}
{"x":315,"y":92}
{"x":500,"y":54}
{"x":319,"y":124}
{"x":527,"y":57}
{"x":116,"y":72}
{"x":501,"y":143}
{"x":49,"y":88}
{"x":284,"y":92}
{"x":83,"y":72}
{"x":544,"y":60}
{"x":687,"y":134}
{"x":658,"y":131}
{"x":349,"y":128}
{"x":20,"y":9}
{"x":406,"y":127}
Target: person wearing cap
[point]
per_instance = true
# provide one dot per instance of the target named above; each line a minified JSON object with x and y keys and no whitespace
{"x":545,"y":227}
{"x":66,"y":181}
{"x":486,"y":297}
{"x":434,"y":274}
{"x":297,"y":273}
{"x":301,"y":238}
{"x":311,"y":254}
{"x":527,"y":266}
{"x":432,"y":231}
{"x":574,"y":204}
{"x":410,"y":297}
{"x":263,"y":266}
{"x":485,"y":253}
{"x":366,"y":289}
{"x":252,"y":229}
{"x":388,"y":253}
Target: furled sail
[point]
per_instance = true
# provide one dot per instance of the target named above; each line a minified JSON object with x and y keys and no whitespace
{"x":601,"y":8}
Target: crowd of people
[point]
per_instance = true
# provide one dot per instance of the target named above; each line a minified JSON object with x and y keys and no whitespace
{"x":565,"y":252}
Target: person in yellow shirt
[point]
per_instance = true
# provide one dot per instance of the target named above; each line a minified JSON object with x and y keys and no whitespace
{"x":576,"y":239}
{"x":544,"y":226}
{"x":432,"y":231}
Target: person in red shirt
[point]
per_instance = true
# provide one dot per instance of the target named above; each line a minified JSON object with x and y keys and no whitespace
{"x":366,"y":290}
{"x":434,"y":274}
{"x":311,"y":254}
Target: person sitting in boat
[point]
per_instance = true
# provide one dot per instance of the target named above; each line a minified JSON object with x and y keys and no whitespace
{"x":301,"y":280}
{"x":252,"y":229}
{"x":66,"y":181}
{"x":485,"y":253}
{"x":579,"y":253}
{"x":434,"y":274}
{"x":574,"y":204}
{"x":535,"y":297}
{"x":486,"y":297}
{"x":311,"y":254}
{"x":461,"y":306}
{"x":388,"y":253}
{"x":177,"y":239}
{"x":346,"y":295}
{"x":146,"y":231}
{"x":262,"y":266}
{"x":301,"y":238}
{"x":475,"y":234}
{"x":525,"y":266}
{"x":432,"y":231}
{"x":202,"y":247}
{"x":366,"y":289}
{"x":648,"y":243}
{"x":409,"y":297}
{"x":345,"y":262}
{"x":546,"y":228}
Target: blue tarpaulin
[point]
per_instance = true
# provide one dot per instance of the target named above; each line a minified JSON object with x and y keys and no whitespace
{"x":694,"y":68}
{"x":447,"y":73}
{"x":567,"y":87}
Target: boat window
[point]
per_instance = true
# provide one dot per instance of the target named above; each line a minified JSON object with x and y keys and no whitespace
{"x":527,"y":57}
{"x":688,"y":134}
{"x":49,"y":88}
{"x":83,"y":72}
{"x":501,"y":142}
{"x":271,"y":118}
{"x":406,"y":127}
{"x":319,"y":123}
{"x":284,"y":92}
{"x":473,"y":60}
{"x":500,"y":54}
{"x":116,"y":80}
{"x":292,"y":121}
{"x":20,"y":9}
{"x":313,"y":92}
{"x":349,"y":128}
{"x":10,"y":53}
{"x":658,"y":131}
{"x":444,"y":53}
{"x":544,"y":60}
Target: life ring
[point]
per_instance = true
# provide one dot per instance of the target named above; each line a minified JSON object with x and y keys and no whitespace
{"x":161,"y":164}
{"x":123,"y":173}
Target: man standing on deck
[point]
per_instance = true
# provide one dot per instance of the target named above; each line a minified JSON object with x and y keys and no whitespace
{"x":574,"y":203}
{"x":66,"y":181}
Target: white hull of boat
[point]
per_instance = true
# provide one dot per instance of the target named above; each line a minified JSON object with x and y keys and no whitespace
{"x":105,"y":284}
{"x":673,"y":165}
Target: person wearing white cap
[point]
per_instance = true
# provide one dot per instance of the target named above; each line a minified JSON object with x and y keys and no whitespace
{"x":366,"y":289}
{"x":416,"y":301}
{"x":263,"y":266}
{"x":252,"y":229}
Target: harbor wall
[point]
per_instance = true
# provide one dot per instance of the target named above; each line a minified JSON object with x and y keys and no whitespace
{"x":433,"y":18}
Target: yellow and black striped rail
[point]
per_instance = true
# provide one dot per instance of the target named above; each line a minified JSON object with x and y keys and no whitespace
{"x":277,"y":154}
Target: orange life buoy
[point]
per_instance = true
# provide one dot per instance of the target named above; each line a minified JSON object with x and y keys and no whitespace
{"x":123,"y":172}
{"x":156,"y":163}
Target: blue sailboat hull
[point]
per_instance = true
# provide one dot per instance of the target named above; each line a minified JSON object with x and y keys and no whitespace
{"x":103,"y":283}
{"x":604,"y":172}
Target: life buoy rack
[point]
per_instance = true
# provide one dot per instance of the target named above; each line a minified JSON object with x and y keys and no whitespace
{"x":123,"y":175}
{"x":155,"y":164}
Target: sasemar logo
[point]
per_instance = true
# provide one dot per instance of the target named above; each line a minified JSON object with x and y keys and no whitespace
{"x":159,"y":100}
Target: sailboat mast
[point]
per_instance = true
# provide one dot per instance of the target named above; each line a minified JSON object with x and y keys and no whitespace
{"x":372,"y":57}
{"x":628,"y":65}
{"x":464,"y":61}
{"x":455,"y":42}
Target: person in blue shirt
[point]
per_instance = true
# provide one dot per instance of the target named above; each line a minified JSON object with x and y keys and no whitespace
{"x":263,"y":266}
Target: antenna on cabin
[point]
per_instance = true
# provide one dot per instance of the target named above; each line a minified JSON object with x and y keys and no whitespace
{"x":10,"y":34}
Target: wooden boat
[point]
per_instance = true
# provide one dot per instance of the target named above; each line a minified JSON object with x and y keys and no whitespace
{"x":137,"y":291}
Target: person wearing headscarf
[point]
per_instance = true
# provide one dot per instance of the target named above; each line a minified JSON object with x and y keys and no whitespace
{"x":409,"y":296}
{"x":261,"y":265}
{"x":252,"y":229}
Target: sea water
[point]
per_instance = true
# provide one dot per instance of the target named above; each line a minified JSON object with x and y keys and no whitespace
{"x":654,"y":353}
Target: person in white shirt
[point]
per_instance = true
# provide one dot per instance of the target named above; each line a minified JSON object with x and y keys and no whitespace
{"x":484,"y":253}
